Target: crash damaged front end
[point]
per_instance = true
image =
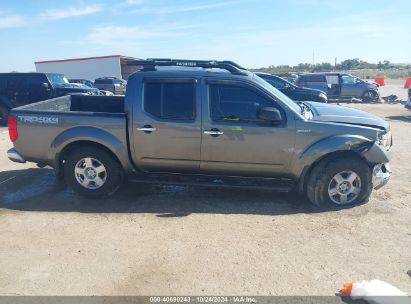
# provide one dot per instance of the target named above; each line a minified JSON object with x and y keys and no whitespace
{"x":380,"y":175}
{"x":380,"y":154}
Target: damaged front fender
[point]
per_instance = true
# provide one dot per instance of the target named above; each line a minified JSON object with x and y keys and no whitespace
{"x":367,"y":148}
{"x":377,"y":154}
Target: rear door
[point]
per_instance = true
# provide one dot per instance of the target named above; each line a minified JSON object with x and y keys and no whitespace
{"x":167,"y":126}
{"x":235,"y":141}
{"x":32,"y":88}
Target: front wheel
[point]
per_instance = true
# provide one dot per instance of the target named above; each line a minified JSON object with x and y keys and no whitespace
{"x":370,"y":96}
{"x":340,"y":182}
{"x":92,"y":172}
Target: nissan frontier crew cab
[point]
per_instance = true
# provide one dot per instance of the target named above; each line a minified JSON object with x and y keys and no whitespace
{"x":205,"y":122}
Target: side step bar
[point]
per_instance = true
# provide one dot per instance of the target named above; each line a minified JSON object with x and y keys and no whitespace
{"x":275,"y":184}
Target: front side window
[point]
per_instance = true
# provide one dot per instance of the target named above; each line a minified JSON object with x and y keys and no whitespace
{"x":347,"y":79}
{"x":57,"y":79}
{"x":173,"y":100}
{"x":235,"y":103}
{"x":275,"y":82}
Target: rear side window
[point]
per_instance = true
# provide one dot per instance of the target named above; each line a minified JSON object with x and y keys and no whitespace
{"x":35,"y":79}
{"x":103,"y":81}
{"x":173,"y":100}
{"x":315,"y":78}
{"x":275,"y":82}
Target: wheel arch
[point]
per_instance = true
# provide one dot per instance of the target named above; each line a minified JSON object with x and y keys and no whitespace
{"x":62,"y":155}
{"x":327,"y":149}
{"x":375,"y":91}
{"x":324,"y":160}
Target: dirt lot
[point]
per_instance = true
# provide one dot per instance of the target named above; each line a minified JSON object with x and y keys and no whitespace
{"x":151,"y":240}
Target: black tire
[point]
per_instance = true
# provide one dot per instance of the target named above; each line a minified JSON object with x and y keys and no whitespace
{"x":4,"y":113}
{"x":321,"y":178}
{"x":112,"y":175}
{"x":370,"y":96}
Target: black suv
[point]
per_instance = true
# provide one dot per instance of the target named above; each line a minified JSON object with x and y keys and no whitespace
{"x":290,"y":77}
{"x":86,"y":82}
{"x":292,"y":91}
{"x":19,"y":89}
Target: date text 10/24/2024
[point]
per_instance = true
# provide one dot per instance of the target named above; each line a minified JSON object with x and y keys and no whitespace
{"x":203,"y":299}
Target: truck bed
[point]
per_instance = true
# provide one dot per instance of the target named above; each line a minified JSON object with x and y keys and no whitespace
{"x":46,"y":127}
{"x":79,"y":103}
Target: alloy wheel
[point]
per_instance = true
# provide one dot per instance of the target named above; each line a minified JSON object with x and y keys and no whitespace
{"x":344,"y":187}
{"x":90,"y":173}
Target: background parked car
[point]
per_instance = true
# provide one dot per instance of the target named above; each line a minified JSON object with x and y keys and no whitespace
{"x":292,"y":91}
{"x":86,"y":82}
{"x":18,"y":89}
{"x":340,"y":86}
{"x":90,"y":84}
{"x":112,"y":84}
{"x":290,"y":77}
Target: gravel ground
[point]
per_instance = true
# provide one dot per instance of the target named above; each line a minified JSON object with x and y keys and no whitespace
{"x":151,"y":240}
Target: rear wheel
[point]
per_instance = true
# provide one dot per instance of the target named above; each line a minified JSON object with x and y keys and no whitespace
{"x":340,"y":182}
{"x":93,"y":172}
{"x":370,"y":96}
{"x":4,"y":112}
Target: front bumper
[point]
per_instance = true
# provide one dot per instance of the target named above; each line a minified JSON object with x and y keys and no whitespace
{"x":380,"y":175}
{"x":13,"y":155}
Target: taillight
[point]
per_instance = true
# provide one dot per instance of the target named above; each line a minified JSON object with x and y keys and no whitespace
{"x":12,"y":123}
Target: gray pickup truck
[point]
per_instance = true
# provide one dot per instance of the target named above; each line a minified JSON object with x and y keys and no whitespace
{"x":208,"y":123}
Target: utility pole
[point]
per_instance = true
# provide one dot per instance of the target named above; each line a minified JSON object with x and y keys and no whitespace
{"x":335,"y":63}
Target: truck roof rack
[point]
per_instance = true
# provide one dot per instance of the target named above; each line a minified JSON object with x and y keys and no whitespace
{"x":151,"y":63}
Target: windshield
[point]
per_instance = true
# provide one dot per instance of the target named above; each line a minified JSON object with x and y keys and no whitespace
{"x":284,"y":98}
{"x":57,"y":79}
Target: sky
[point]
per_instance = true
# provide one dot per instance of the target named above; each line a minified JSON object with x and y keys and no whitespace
{"x":254,"y":33}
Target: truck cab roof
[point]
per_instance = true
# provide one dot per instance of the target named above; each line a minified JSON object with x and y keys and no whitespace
{"x":191,"y":67}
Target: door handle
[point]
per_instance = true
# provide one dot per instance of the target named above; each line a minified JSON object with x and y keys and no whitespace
{"x":214,"y":132}
{"x":147,"y":129}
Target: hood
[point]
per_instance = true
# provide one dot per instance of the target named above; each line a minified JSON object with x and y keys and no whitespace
{"x":372,"y":82}
{"x":341,"y":114}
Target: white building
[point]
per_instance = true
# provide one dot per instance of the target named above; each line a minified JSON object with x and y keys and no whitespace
{"x":90,"y":67}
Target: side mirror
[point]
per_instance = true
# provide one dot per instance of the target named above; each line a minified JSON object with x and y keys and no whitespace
{"x":357,"y":81}
{"x":45,"y":85}
{"x":270,"y":114}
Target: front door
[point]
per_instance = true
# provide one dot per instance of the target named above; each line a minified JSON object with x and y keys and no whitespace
{"x":350,"y":87}
{"x":234,"y":141}
{"x":167,"y":126}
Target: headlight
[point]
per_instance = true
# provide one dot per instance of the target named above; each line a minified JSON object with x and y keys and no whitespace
{"x":323,"y":96}
{"x":385,"y":140}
